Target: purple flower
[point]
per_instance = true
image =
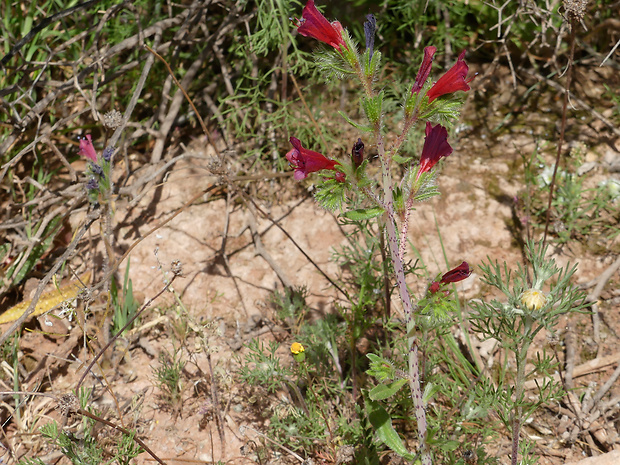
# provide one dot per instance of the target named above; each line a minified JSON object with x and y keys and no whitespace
{"x":455,"y":275}
{"x":435,"y":148}
{"x":308,"y":161}
{"x":453,"y":80}
{"x":314,"y":24}
{"x":370,"y":26}
{"x":92,"y":184}
{"x":108,"y":152}
{"x":86,"y":148}
{"x":425,"y":69}
{"x":96,"y":169}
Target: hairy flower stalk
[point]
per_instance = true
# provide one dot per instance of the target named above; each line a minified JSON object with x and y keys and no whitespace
{"x":416,"y":184}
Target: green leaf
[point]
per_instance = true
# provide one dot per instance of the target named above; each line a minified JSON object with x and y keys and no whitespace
{"x":382,"y":423}
{"x":362,"y":214}
{"x":330,"y":194}
{"x":380,"y":368}
{"x":385,"y":391}
{"x":372,"y":108}
{"x":400,"y":159}
{"x":52,"y":228}
{"x":361,"y":127}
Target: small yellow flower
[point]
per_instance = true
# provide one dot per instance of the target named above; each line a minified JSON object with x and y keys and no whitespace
{"x":297,"y":348}
{"x":533,"y":299}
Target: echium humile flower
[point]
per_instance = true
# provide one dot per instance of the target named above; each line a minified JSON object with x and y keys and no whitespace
{"x":425,"y":69}
{"x":86,"y":148}
{"x":314,"y":24}
{"x":306,"y":161}
{"x":454,"y":80}
{"x":436,"y":147}
{"x":98,"y":170}
{"x":461,"y":272}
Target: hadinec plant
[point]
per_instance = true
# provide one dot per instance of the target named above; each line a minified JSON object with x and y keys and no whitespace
{"x":387,"y":199}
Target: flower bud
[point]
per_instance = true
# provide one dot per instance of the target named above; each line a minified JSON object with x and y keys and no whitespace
{"x":357,"y":153}
{"x":533,"y":299}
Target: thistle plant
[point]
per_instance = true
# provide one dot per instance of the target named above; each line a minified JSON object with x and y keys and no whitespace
{"x":533,"y":301}
{"x":347,"y":186}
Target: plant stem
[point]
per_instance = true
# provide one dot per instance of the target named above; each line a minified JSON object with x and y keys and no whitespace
{"x":393,"y":244}
{"x":414,"y":364}
{"x":521,"y":356}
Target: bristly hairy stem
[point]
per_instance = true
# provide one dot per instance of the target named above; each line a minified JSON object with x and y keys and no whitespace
{"x":399,"y":271}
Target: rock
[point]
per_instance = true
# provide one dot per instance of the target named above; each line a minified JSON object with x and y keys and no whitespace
{"x":610,"y":458}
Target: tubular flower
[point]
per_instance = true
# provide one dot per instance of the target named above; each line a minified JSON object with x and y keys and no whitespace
{"x":307,"y":161}
{"x":435,"y":148}
{"x":455,"y":275}
{"x":86,"y":148}
{"x":453,"y":80}
{"x":314,"y":24}
{"x":425,"y":69}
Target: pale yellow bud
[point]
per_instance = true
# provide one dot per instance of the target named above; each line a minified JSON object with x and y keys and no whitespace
{"x":533,"y":299}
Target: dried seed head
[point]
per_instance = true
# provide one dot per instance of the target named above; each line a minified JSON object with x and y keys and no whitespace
{"x":176,"y":267}
{"x":345,"y":454}
{"x":575,"y":9}
{"x":113,"y":119}
{"x":68,"y":403}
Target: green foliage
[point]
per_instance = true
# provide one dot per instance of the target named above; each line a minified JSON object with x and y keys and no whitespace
{"x":28,"y":258}
{"x":382,"y":423}
{"x":385,"y":391}
{"x":83,"y":448}
{"x":127,"y":306}
{"x":363,"y":214}
{"x":381,"y":368}
{"x":579,"y":213}
{"x":168,"y":375}
{"x":331,"y":194}
{"x":373,"y":107}
{"x":262,"y":366}
{"x":515,"y":322}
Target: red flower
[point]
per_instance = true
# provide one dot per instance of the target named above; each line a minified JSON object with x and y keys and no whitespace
{"x":452,"y":81}
{"x":435,"y":147}
{"x":86,"y":148}
{"x":455,"y":275}
{"x":314,"y":24}
{"x":308,"y":161}
{"x":425,"y":69}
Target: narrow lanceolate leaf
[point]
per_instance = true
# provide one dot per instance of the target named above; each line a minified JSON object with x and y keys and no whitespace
{"x":362,"y":214}
{"x":382,"y":423}
{"x":385,"y":391}
{"x":361,"y":127}
{"x":48,"y":300}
